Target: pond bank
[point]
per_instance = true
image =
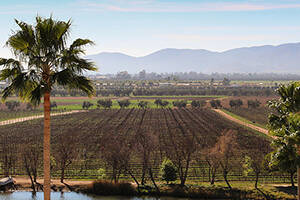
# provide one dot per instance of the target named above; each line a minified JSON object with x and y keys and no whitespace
{"x":190,"y":191}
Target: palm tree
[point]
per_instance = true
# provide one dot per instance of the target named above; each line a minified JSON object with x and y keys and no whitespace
{"x":42,"y":61}
{"x":284,"y":123}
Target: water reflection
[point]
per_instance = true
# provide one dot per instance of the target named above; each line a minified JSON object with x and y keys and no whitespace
{"x":72,"y":196}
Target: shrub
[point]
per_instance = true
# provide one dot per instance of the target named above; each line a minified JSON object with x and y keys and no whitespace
{"x":143,"y":104}
{"x":105,"y":103}
{"x":215,"y":103}
{"x":109,"y":188}
{"x":86,"y":105}
{"x":124,"y":103}
{"x":168,"y":171}
{"x":180,"y":104}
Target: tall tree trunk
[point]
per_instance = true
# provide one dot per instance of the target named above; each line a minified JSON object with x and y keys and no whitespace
{"x":292,"y":178}
{"x":62,"y":177}
{"x":47,"y":177}
{"x":256,"y":179}
{"x":226,"y":180}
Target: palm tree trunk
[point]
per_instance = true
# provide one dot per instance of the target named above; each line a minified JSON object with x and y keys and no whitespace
{"x":47,"y":177}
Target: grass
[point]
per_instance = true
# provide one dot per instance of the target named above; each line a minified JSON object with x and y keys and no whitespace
{"x":115,"y":105}
{"x":240,"y":190}
{"x":242,"y":119}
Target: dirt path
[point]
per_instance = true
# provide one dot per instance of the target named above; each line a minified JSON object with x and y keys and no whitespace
{"x":24,"y":183}
{"x":13,"y":121}
{"x":257,"y":128}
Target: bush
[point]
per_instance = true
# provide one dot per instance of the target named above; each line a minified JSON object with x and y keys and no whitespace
{"x":143,"y":104}
{"x":180,"y":104}
{"x":168,"y":171}
{"x":109,"y":188}
{"x":105,"y":103}
{"x":86,"y":105}
{"x":124,"y":103}
{"x":197,"y":103}
{"x":215,"y":103}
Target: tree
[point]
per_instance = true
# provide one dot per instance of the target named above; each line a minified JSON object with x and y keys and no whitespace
{"x":42,"y":61}
{"x":124,"y":103}
{"x":168,"y":171}
{"x":226,"y":82}
{"x":253,"y":103}
{"x":284,"y":123}
{"x":235,"y":103}
{"x":143,"y":104}
{"x":180,"y":104}
{"x":86,"y":105}
{"x":12,"y":105}
{"x":105,"y":103}
{"x":65,"y":152}
{"x":158,"y":102}
{"x":215,"y":103}
{"x":227,"y":150}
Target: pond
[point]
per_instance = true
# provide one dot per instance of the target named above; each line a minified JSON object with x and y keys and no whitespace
{"x":73,"y":196}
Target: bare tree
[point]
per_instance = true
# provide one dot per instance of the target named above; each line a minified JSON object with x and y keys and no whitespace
{"x":65,"y":152}
{"x":227,"y":151}
{"x":31,"y":155}
{"x":8,"y":155}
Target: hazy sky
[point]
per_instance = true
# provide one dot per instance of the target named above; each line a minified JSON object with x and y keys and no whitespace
{"x":139,"y":27}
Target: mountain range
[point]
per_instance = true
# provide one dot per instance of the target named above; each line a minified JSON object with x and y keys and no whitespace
{"x":283,"y":58}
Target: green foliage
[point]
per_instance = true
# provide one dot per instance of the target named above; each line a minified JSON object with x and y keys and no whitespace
{"x":101,"y":173}
{"x":216,"y":103}
{"x":180,"y":103}
{"x":197,"y":103}
{"x":161,"y":103}
{"x":253,"y":103}
{"x":12,"y":105}
{"x":109,"y":188}
{"x":168,"y":171}
{"x":43,"y":60}
{"x":247,"y":165}
{"x":86,"y":105}
{"x":235,"y":103}
{"x":53,"y":104}
{"x":143,"y":104}
{"x":124,"y":103}
{"x":105,"y":103}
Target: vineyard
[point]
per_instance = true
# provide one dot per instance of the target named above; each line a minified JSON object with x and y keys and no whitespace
{"x":120,"y":143}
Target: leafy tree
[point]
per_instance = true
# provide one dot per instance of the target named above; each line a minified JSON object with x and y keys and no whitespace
{"x":12,"y":105}
{"x":216,"y":103}
{"x":226,"y":82}
{"x":180,"y":104}
{"x":284,"y":123}
{"x":235,"y":103}
{"x":86,"y":105}
{"x":168,"y":171}
{"x":124,"y":103}
{"x":143,"y":104}
{"x":158,"y":102}
{"x":105,"y":103}
{"x":164,"y":104}
{"x":44,"y":60}
{"x":286,"y":159}
{"x":53,"y":105}
{"x":253,"y":103}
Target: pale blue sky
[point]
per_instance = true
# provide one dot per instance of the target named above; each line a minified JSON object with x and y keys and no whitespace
{"x":140,"y":27}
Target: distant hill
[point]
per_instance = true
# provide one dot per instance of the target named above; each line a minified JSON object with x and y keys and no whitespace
{"x":284,"y":58}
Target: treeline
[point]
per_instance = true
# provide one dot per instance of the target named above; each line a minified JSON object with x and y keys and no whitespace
{"x":174,"y":91}
{"x":143,"y":75}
